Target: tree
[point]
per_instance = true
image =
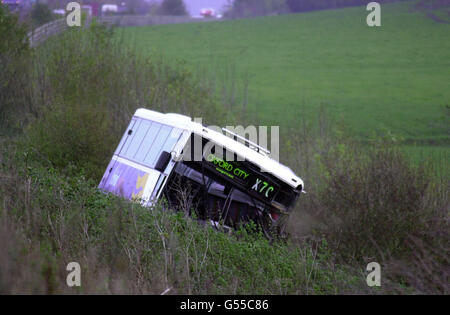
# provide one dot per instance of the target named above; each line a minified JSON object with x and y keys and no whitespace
{"x":41,"y":14}
{"x":247,"y":8}
{"x":14,"y":52}
{"x":173,"y":7}
{"x":310,"y":5}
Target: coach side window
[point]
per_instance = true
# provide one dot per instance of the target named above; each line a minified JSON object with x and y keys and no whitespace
{"x":153,"y":153}
{"x":134,"y":143}
{"x":147,"y":140}
{"x":173,"y":138}
{"x":126,"y":137}
{"x":147,"y":143}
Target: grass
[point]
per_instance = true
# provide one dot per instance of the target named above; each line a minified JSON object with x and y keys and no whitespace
{"x":438,"y":156}
{"x":48,"y":220}
{"x":373,"y":80}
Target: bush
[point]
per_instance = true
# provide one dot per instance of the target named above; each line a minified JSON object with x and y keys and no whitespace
{"x":91,"y":88}
{"x":370,"y":203}
{"x":310,"y":5}
{"x":48,"y":220}
{"x":373,"y":204}
{"x":41,"y":14}
{"x":249,"y":8}
{"x":14,"y":74}
{"x":172,"y":7}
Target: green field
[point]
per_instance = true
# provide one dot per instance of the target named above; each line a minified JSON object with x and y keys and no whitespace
{"x":393,"y":78}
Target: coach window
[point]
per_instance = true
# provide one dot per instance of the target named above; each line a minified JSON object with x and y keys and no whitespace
{"x":135,"y":142}
{"x":154,"y":151}
{"x":126,"y":137}
{"x":171,"y":140}
{"x":147,"y":142}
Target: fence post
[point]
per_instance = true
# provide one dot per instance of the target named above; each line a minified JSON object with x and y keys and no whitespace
{"x":42,"y":33}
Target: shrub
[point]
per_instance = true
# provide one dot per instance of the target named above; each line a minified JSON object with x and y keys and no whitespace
{"x":91,"y":88}
{"x":373,"y":204}
{"x":249,"y":8}
{"x":14,"y":65}
{"x":41,"y":14}
{"x":173,"y":7}
{"x":370,"y":203}
{"x":310,"y":5}
{"x":48,"y":220}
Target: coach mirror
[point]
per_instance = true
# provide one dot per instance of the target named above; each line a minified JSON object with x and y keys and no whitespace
{"x":163,"y":161}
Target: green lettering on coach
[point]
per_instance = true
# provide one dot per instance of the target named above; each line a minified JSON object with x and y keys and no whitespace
{"x":260,"y":186}
{"x":226,"y":167}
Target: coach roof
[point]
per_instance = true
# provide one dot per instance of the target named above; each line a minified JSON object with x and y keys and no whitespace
{"x":264,"y":162}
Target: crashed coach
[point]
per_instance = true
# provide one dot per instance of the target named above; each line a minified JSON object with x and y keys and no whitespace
{"x":225,"y":179}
